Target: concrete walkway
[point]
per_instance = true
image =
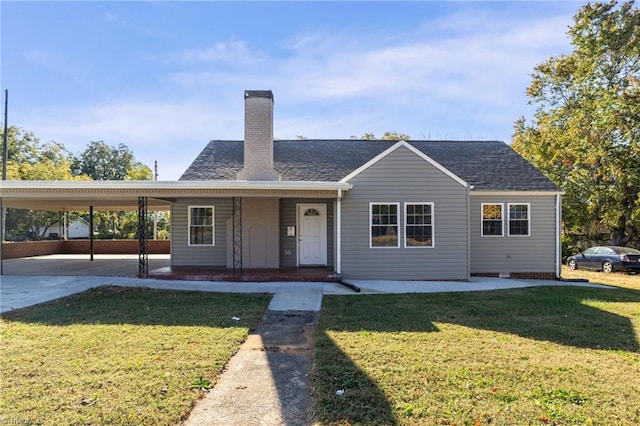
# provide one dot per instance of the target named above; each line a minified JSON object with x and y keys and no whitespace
{"x":19,"y":291}
{"x":266,"y":382}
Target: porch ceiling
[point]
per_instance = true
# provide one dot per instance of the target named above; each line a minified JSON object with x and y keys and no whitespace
{"x":123,"y":195}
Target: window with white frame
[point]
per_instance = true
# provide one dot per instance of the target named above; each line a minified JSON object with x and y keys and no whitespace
{"x":492,"y":222}
{"x":418,"y":224}
{"x":519,"y":219}
{"x":384,"y":224}
{"x":201,"y":226}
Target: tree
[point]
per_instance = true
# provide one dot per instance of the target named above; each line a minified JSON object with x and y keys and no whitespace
{"x":585,"y":133}
{"x":103,"y":162}
{"x":393,"y":136}
{"x":30,"y":159}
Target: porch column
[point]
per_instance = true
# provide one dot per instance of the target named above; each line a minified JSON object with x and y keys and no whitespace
{"x":237,"y":235}
{"x":1,"y":236}
{"x":143,"y":256}
{"x":91,"y":233}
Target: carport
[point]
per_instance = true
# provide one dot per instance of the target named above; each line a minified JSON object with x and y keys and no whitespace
{"x":67,"y":196}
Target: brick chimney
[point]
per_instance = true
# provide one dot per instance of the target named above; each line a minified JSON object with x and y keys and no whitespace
{"x":258,"y":136}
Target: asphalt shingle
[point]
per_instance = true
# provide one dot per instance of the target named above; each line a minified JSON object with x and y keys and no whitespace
{"x":487,"y":165}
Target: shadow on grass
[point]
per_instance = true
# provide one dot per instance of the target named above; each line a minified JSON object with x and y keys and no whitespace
{"x":140,"y":306}
{"x":554,"y":314}
{"x":343,"y":393}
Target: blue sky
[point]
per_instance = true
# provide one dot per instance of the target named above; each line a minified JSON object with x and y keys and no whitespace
{"x":164,"y":78}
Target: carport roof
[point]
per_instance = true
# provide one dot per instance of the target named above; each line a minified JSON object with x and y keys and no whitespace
{"x":123,"y":195}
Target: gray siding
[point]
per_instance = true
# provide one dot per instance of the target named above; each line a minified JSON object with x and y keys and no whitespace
{"x":509,"y":254}
{"x":288,"y":217}
{"x":182,"y":254}
{"x":402,"y":177}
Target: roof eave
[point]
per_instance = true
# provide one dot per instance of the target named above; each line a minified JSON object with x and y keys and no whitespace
{"x":512,"y":192}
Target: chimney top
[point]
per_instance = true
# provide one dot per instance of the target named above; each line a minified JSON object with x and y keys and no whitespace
{"x":258,"y":94}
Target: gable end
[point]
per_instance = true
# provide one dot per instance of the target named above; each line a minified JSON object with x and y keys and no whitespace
{"x":417,"y":152}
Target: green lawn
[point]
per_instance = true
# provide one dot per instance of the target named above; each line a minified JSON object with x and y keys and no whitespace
{"x":547,"y":355}
{"x":118,"y":356}
{"x":618,"y":279}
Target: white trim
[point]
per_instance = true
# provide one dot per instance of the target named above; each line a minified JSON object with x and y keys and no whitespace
{"x":123,"y":195}
{"x":468,"y":207}
{"x":433,"y":228}
{"x":213,"y":225}
{"x":383,"y":203}
{"x":501,"y":220}
{"x":411,"y":148}
{"x":338,"y":260}
{"x":528,"y":219}
{"x":558,"y":236}
{"x":9,"y":186}
{"x":515,"y":193}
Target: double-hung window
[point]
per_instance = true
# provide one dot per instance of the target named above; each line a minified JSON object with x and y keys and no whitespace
{"x":384,"y":225}
{"x":519,"y":219}
{"x":492,"y":220}
{"x":418,"y":224}
{"x":201,"y":226}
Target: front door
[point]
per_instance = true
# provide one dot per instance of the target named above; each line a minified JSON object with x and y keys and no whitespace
{"x":312,"y":234}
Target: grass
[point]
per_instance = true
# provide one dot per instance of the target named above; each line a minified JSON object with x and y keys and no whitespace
{"x":535,"y":356}
{"x":118,"y":356}
{"x":618,"y":279}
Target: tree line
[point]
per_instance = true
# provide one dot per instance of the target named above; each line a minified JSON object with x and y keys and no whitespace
{"x":30,"y":159}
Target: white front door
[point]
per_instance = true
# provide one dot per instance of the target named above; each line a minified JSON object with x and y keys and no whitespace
{"x":312,"y":234}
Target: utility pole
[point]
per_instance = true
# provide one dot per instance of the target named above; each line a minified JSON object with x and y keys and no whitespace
{"x":5,"y":151}
{"x":5,"y":157}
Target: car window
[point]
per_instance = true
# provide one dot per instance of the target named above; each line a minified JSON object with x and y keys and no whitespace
{"x":605,"y":250}
{"x":628,"y":250}
{"x":590,"y":250}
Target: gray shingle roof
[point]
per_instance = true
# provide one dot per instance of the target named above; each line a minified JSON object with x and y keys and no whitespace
{"x":487,"y":165}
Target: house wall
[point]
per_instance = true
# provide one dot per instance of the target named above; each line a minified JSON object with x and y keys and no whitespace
{"x":182,"y":254}
{"x":288,"y":217}
{"x":532,"y":255}
{"x":75,"y":229}
{"x":401,"y":177}
{"x":260,"y":239}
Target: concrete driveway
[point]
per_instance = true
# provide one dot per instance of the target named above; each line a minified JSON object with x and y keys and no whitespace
{"x":110,"y":265}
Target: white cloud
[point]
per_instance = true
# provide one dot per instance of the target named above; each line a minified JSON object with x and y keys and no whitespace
{"x":464,"y":57}
{"x":227,"y":51}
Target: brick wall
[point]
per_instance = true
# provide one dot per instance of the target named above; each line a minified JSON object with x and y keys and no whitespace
{"x":41,"y":248}
{"x":534,"y":275}
{"x":30,"y":248}
{"x":521,"y":275}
